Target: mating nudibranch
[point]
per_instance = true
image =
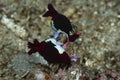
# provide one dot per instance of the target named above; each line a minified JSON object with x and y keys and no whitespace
{"x":59,"y":23}
{"x":50,"y":51}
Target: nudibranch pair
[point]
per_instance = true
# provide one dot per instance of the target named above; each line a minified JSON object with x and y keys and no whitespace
{"x":50,"y":49}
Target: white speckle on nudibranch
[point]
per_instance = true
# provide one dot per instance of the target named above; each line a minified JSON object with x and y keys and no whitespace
{"x":57,"y":45}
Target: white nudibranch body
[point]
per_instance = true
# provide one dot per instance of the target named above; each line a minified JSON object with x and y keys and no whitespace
{"x":57,"y":45}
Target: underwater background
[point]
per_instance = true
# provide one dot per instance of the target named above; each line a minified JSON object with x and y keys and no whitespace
{"x":95,"y":54}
